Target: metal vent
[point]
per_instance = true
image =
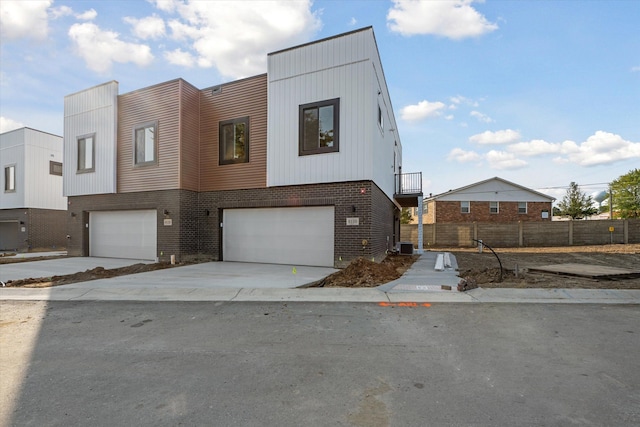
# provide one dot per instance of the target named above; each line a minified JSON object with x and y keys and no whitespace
{"x":216,"y":90}
{"x":404,"y":248}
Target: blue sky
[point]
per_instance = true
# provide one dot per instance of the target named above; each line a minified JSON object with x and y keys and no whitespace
{"x":540,"y":93}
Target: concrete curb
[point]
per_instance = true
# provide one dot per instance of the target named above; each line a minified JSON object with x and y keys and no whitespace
{"x":366,"y":295}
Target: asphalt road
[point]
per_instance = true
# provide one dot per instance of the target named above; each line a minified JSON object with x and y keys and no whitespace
{"x":318,"y":364}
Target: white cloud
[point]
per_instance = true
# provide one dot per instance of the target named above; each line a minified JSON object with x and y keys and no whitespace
{"x":421,"y":111}
{"x":88,"y":15}
{"x":601,"y":148}
{"x":481,"y":117}
{"x":455,"y":19}
{"x":7,"y":124}
{"x":635,"y":69}
{"x":506,"y":136}
{"x":534,"y":147}
{"x":60,"y":11}
{"x":180,"y":57}
{"x":235,"y":36}
{"x":24,"y":19}
{"x":463,"y":156}
{"x":151,"y":27}
{"x":503,"y":160}
{"x":353,"y":22}
{"x":461,"y":100}
{"x":100,"y":49}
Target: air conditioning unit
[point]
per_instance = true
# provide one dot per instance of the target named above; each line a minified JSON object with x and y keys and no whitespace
{"x":404,"y":248}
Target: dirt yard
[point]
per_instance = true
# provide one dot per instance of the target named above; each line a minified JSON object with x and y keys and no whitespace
{"x":483,"y":268}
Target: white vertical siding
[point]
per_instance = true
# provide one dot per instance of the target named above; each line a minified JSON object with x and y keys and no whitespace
{"x":92,"y":111}
{"x":43,"y":190}
{"x":31,"y":151}
{"x":345,"y":67}
{"x":12,"y":153}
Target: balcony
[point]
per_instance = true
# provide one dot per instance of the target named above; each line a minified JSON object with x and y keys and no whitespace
{"x":408,"y":189}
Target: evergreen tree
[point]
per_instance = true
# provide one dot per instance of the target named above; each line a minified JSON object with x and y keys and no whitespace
{"x":625,"y":192}
{"x":576,"y":204}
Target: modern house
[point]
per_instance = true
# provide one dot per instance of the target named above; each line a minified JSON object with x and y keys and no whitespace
{"x":491,"y":200}
{"x":301,"y":165}
{"x":32,"y":207}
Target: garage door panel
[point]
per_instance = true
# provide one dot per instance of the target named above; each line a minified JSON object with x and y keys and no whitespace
{"x":9,"y":235}
{"x":299,"y":236}
{"x":123,"y":234}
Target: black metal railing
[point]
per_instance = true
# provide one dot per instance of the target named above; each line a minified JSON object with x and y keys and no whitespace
{"x":409,"y":183}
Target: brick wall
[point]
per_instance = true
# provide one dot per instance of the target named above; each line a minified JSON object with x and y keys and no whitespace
{"x":44,"y":229}
{"x":178,"y":239}
{"x":361,"y":199}
{"x":449,"y":211}
{"x":196,"y":217}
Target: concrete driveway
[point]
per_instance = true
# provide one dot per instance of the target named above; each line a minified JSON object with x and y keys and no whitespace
{"x":234,"y":275}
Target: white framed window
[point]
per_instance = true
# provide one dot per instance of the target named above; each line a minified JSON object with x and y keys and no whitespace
{"x":464,"y":207}
{"x":145,"y":137}
{"x":10,"y":179}
{"x":494,"y":207}
{"x":522,"y":207}
{"x":86,"y":153}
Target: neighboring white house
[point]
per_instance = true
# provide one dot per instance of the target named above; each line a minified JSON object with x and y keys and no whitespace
{"x":32,"y":207}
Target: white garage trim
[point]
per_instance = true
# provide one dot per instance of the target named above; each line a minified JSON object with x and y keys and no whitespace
{"x":123,"y":234}
{"x":295,"y":236}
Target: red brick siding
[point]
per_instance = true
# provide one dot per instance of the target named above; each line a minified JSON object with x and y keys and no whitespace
{"x":449,"y":211}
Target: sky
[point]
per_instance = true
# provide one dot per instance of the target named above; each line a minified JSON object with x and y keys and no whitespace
{"x":541,"y":93}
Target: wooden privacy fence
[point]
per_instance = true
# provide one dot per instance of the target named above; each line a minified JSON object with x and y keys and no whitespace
{"x":532,"y":234}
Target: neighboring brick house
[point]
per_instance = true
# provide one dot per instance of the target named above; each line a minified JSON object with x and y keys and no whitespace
{"x":296,"y":166}
{"x":491,"y":200}
{"x":33,"y":211}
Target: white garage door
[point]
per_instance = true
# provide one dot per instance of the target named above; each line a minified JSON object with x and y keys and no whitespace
{"x":296,"y":236}
{"x":123,"y":234}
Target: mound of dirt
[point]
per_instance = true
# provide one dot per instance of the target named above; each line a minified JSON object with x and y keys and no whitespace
{"x":84,"y":276}
{"x":364,"y":273}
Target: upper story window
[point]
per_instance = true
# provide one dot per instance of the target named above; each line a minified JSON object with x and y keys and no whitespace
{"x":234,"y":141}
{"x":522,"y":207}
{"x":380,"y":119}
{"x":145,"y":143}
{"x":86,"y":156}
{"x":10,"y":178}
{"x":319,"y":127}
{"x":464,"y":207}
{"x":494,"y":207}
{"x":55,"y":168}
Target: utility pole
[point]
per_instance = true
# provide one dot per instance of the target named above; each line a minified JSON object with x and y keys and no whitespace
{"x":610,"y":203}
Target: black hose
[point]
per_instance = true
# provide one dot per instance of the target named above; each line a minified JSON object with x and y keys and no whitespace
{"x":489,"y":247}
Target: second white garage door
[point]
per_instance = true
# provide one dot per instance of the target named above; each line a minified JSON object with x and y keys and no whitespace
{"x":123,"y":234}
{"x":296,"y":236}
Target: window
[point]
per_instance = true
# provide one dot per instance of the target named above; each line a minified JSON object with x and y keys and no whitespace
{"x":464,"y":207}
{"x":234,"y":141}
{"x":86,"y":155}
{"x":145,"y":137}
{"x":319,"y":127}
{"x":10,"y":178}
{"x":55,"y":168}
{"x":522,"y":207}
{"x":493,"y":207}
{"x":380,"y":118}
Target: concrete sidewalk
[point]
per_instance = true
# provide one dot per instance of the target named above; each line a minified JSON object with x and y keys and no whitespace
{"x":228,"y":281}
